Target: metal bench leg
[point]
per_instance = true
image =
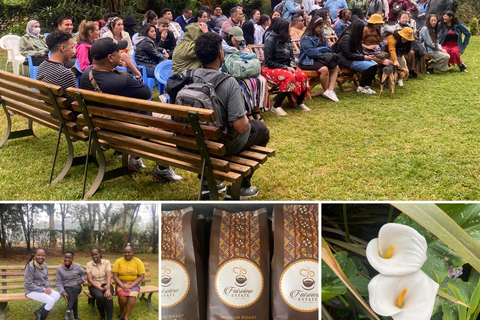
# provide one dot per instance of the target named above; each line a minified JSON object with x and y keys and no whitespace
{"x":101,"y":173}
{"x":236,"y":190}
{"x":91,"y":302}
{"x":3,"y":310}
{"x":9,"y":125}
{"x":149,"y":301}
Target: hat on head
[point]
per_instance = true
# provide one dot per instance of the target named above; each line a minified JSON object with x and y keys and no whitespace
{"x":105,"y":46}
{"x":237,"y":33}
{"x":407,"y":33}
{"x":376,"y":19}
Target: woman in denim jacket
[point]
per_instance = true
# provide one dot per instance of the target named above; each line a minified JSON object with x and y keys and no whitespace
{"x":313,"y":46}
{"x":450,"y":38}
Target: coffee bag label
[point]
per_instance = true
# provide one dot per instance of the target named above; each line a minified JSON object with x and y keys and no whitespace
{"x":239,"y":283}
{"x":299,"y":285}
{"x":175,"y":283}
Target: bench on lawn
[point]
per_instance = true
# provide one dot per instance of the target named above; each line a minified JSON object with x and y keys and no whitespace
{"x":11,"y":278}
{"x":40,"y":102}
{"x":144,"y":289}
{"x":188,"y":141}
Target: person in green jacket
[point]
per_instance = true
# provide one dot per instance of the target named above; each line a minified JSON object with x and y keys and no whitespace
{"x":184,"y":57}
{"x":34,"y":44}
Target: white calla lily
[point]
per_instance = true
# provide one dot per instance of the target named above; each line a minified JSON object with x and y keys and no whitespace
{"x":398,"y":250}
{"x":409,"y":297}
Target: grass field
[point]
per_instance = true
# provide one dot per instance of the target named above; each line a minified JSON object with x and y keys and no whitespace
{"x":423,"y":145}
{"x":25,"y":309}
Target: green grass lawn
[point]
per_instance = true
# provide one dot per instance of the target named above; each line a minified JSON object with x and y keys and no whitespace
{"x":25,"y":309}
{"x":423,"y":145}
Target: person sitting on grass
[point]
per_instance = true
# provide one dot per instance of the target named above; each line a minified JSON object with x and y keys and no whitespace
{"x":37,"y":285}
{"x":128,"y":273}
{"x":99,"y":275}
{"x":34,"y":44}
{"x":450,"y":37}
{"x":69,"y":280}
{"x":106,"y":56}
{"x":279,"y":67}
{"x":52,"y":70}
{"x":313,"y":47}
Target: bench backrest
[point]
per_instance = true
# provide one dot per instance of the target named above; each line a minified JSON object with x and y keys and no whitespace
{"x":38,"y":101}
{"x":11,"y":277}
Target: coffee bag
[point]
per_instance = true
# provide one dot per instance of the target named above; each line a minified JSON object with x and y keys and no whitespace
{"x":182,"y":287}
{"x":295,"y":285}
{"x":239,"y":266}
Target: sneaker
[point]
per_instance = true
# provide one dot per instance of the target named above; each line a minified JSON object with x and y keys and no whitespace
{"x":279,"y":111}
{"x":67,"y":315}
{"x":413,"y":74}
{"x":221,"y":187}
{"x":245,"y":193}
{"x":362,"y":90}
{"x":369,"y":90}
{"x":165,"y":175}
{"x":162,"y":98}
{"x":117,"y":154}
{"x":330,"y":94}
{"x":136,"y":164}
{"x":302,"y":107}
{"x":463,"y":67}
{"x":400,"y":82}
{"x":430,"y":71}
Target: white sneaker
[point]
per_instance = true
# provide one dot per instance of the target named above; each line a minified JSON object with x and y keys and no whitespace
{"x":369,"y":90}
{"x":302,"y":107}
{"x":279,"y":111}
{"x":400,"y":82}
{"x":330,"y":95}
{"x":362,"y":90}
{"x":136,"y":164}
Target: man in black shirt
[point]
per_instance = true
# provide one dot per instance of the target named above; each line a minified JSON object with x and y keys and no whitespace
{"x":106,"y":56}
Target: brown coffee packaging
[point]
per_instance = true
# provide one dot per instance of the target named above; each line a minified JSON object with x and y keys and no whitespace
{"x":295,"y":280}
{"x":182,"y":287}
{"x":239,"y":265}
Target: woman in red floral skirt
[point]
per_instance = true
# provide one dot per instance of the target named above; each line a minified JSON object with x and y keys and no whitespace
{"x":279,"y":67}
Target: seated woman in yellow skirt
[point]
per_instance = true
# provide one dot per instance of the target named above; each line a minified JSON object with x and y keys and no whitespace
{"x":128,"y":273}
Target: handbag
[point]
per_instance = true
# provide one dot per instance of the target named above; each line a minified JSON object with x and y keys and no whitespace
{"x":329,"y":59}
{"x":242,"y":65}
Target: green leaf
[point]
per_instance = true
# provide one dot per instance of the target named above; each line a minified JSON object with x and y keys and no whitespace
{"x":458,"y":234}
{"x":462,"y":311}
{"x":332,"y":286}
{"x":473,"y":312}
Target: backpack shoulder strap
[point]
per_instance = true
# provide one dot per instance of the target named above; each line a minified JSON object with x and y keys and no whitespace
{"x":219,"y":78}
{"x":93,"y":82}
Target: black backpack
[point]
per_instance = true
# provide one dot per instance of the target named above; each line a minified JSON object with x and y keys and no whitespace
{"x":187,"y":89}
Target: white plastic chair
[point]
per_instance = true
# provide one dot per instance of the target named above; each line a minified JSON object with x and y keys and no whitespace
{"x":11,"y":44}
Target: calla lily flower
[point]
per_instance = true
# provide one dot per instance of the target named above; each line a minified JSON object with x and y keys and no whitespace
{"x":398,"y":250}
{"x":409,"y":297}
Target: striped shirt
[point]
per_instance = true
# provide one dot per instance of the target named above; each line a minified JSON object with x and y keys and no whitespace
{"x":55,"y":73}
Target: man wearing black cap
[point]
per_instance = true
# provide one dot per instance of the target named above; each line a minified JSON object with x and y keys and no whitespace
{"x":103,"y":77}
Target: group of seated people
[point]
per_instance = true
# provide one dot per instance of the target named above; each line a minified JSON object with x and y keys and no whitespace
{"x":127,"y":273}
{"x":364,"y":45}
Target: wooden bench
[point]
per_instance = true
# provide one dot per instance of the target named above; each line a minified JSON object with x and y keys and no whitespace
{"x":144,"y":289}
{"x":11,"y":278}
{"x":183,"y":143}
{"x":42,"y":103}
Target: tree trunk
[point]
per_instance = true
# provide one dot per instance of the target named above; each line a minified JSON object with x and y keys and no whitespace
{"x":53,"y":238}
{"x":154,"y":234}
{"x":2,"y":238}
{"x":135,"y":210}
{"x":63,"y":213}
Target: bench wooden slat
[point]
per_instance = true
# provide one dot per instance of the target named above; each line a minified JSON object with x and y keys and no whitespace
{"x":243,"y":161}
{"x":262,"y":158}
{"x":40,"y":104}
{"x":150,"y":106}
{"x":209,"y":132}
{"x":61,"y":101}
{"x":153,"y":133}
{"x":268,"y":151}
{"x":40,"y":85}
{"x":47,"y":123}
{"x":159,"y":149}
